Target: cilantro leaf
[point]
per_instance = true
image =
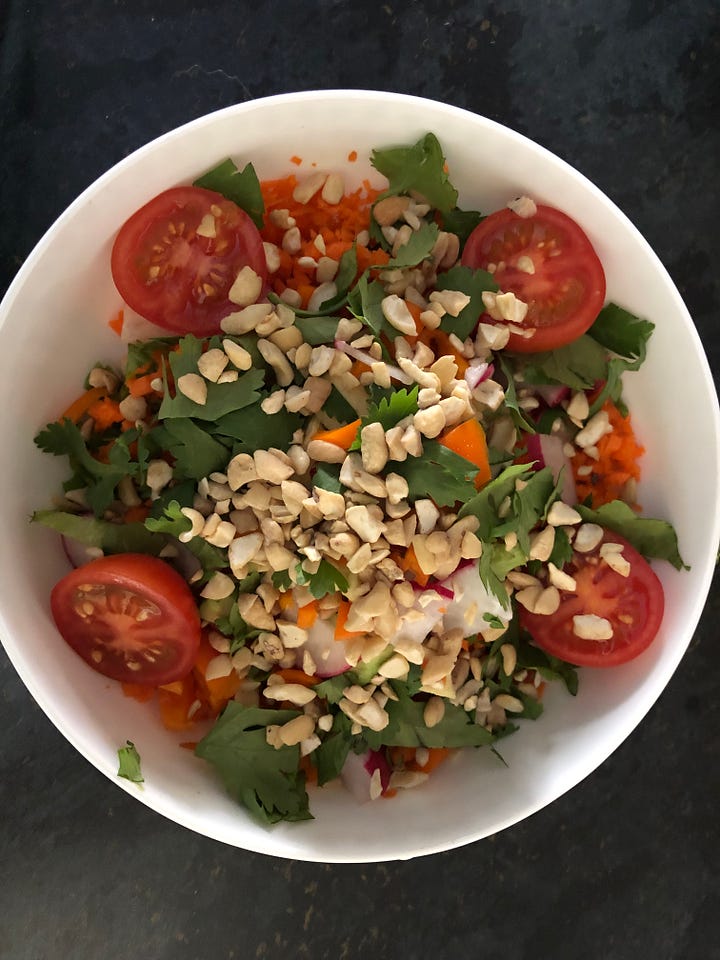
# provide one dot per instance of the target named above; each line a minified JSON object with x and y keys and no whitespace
{"x":511,"y":400}
{"x":109,"y":537}
{"x":562,"y":550}
{"x":485,"y":504}
{"x":317,"y":329}
{"x":326,"y":579}
{"x":173,"y":522}
{"x":100,"y":479}
{"x":347,"y":271}
{"x":407,"y":726}
{"x":473,"y":283}
{"x":332,"y":753}
{"x":327,"y":477}
{"x":142,"y":353}
{"x":439,"y":474}
{"x":337,"y":407}
{"x":654,"y":539}
{"x":579,"y":364}
{"x":417,"y":249}
{"x":129,"y":763}
{"x":461,"y":222}
{"x":421,"y":168}
{"x":622,"y":332}
{"x":222,"y":398}
{"x":266,"y":780}
{"x":197,"y":454}
{"x":364,"y":304}
{"x":253,"y":429}
{"x":389,"y":411}
{"x":494,"y":565}
{"x":531,"y":657}
{"x":240,"y":186}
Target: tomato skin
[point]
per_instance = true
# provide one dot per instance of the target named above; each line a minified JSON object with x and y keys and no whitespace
{"x":567,"y":289}
{"x":173,"y":276}
{"x":129,"y":609}
{"x":634,"y":606}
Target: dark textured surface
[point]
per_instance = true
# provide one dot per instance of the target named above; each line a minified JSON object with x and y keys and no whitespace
{"x":626,"y":865}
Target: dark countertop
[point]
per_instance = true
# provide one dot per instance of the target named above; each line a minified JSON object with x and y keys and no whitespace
{"x":624,"y":866}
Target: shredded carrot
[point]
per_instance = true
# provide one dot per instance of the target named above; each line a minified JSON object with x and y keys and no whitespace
{"x":468,"y":441}
{"x":286,"y":600}
{"x":441,"y":345}
{"x":83,"y":403}
{"x":409,"y":563}
{"x":609,"y":476}
{"x":352,"y":156}
{"x":116,"y":323}
{"x":296,"y":160}
{"x":141,"y":386}
{"x":307,"y":615}
{"x":342,"y":437}
{"x":105,"y":413}
{"x":174,"y":707}
{"x":341,"y":633}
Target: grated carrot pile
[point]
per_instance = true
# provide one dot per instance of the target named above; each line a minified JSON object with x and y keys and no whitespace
{"x":337,"y":224}
{"x":611,"y":476}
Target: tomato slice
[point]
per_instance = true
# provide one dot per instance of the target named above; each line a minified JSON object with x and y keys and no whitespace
{"x":130,"y":617}
{"x":633,"y":605}
{"x":566,"y":290}
{"x":179,"y":278}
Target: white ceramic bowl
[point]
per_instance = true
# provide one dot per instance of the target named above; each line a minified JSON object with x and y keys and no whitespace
{"x":53,"y":327}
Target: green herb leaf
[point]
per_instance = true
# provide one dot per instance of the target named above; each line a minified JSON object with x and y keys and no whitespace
{"x":345,"y":276}
{"x":196,"y":452}
{"x":222,"y":398}
{"x":531,"y":657}
{"x":364,"y":304}
{"x":461,"y":222}
{"x":327,"y":477}
{"x":654,"y":539}
{"x":253,"y":429}
{"x":579,"y":365}
{"x":485,"y":504}
{"x":129,"y":763}
{"x":326,"y":579}
{"x":389,"y":411}
{"x":332,"y":753}
{"x":421,"y":168}
{"x":240,"y":186}
{"x":317,"y":329}
{"x":173,"y":522}
{"x":622,"y":333}
{"x":439,"y":474}
{"x":418,"y":248}
{"x":265,"y":780}
{"x":108,"y":537}
{"x":337,"y":407}
{"x":511,"y":400}
{"x":141,"y":353}
{"x":473,"y":283}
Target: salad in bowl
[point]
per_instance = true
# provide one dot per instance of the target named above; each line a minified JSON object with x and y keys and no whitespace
{"x":354,"y":483}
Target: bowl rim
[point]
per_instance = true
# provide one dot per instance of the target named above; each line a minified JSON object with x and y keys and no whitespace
{"x":309,"y":97}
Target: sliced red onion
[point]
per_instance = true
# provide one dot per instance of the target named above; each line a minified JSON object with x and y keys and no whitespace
{"x":552,"y":393}
{"x":437,"y":587}
{"x":364,"y":357}
{"x":548,"y":451}
{"x":478,"y":371}
{"x":357,"y":773}
{"x":329,"y":654}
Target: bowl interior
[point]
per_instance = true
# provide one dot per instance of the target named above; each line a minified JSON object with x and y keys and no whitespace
{"x":53,"y":326}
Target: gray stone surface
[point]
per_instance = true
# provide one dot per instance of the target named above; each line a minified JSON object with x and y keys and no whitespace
{"x":626,"y":865}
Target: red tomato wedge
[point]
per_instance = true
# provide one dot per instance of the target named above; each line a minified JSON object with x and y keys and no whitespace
{"x":130,"y":617}
{"x":633,"y":606}
{"x":565,"y":290}
{"x":177,"y":277}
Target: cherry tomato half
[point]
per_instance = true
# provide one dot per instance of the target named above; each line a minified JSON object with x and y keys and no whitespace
{"x":559,"y":276}
{"x":179,"y":278}
{"x":633,"y":605}
{"x":130,"y":617}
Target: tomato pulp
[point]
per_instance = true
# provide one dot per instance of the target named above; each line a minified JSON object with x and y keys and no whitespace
{"x":131,"y":617}
{"x":633,"y":605}
{"x":175,"y":260}
{"x":547,"y":262}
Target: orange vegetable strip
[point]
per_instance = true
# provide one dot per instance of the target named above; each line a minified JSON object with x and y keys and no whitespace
{"x":341,"y":633}
{"x":468,"y":441}
{"x":342,"y":437}
{"x":409,"y":563}
{"x":141,"y":386}
{"x":138,"y":691}
{"x":105,"y":413}
{"x":307,"y":615}
{"x":606,"y":478}
{"x":116,"y":323}
{"x":83,"y":403}
{"x":291,"y":675}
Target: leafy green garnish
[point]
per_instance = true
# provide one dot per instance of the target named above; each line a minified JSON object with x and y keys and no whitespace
{"x":364,"y":304}
{"x":420,"y":168}
{"x":173,"y":522}
{"x":654,"y":539}
{"x":417,"y":249}
{"x":196,"y":452}
{"x":531,"y":657}
{"x":461,"y":222}
{"x":327,"y":477}
{"x":439,"y":474}
{"x":332,"y":753}
{"x":347,"y":271}
{"x":240,"y":186}
{"x":511,"y":400}
{"x":317,"y":329}
{"x":108,"y":537}
{"x":129,"y":763}
{"x":141,"y":353}
{"x":326,"y":579}
{"x":99,"y":479}
{"x":252,"y":429}
{"x":222,"y":398}
{"x":337,"y":407}
{"x":579,"y":365}
{"x":473,"y":283}
{"x":266,"y":780}
{"x":627,"y":337}
{"x":389,"y":411}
